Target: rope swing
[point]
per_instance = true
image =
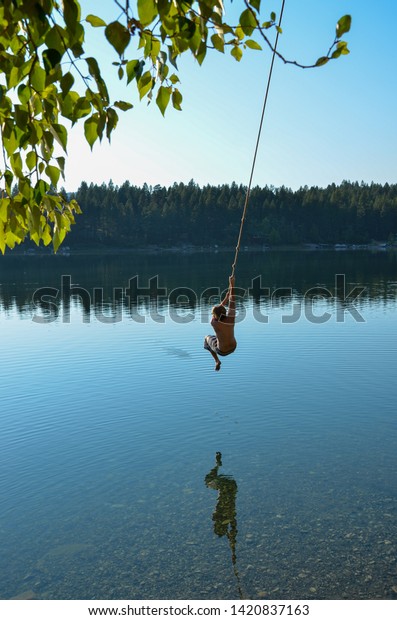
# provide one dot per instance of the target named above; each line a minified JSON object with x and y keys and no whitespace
{"x":247,"y":196}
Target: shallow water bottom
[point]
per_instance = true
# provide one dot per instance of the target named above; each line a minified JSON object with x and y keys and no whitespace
{"x":111,"y":484}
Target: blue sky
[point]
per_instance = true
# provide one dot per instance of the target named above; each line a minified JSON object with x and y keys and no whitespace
{"x":322,"y":125}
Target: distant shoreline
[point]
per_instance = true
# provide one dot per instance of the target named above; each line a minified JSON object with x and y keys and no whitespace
{"x":104,"y":250}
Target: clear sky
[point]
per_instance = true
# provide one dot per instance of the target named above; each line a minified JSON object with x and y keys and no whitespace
{"x":323,"y":125}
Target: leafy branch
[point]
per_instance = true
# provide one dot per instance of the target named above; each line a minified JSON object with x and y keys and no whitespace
{"x":43,"y":50}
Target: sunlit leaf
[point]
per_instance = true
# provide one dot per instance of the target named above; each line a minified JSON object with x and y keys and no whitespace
{"x":53,"y":174}
{"x":51,"y":57}
{"x":322,"y":61}
{"x":145,"y":83}
{"x":123,"y":105}
{"x":66,"y":83}
{"x":31,"y":159}
{"x":343,"y":25}
{"x":253,"y":44}
{"x":176,"y":99}
{"x":60,"y":134}
{"x":95,"y":21}
{"x":247,"y":22}
{"x":4,"y":205}
{"x":256,"y":4}
{"x":91,"y":130}
{"x":236,"y":52}
{"x":111,"y":121}
{"x":163,"y":98}
{"x":147,"y":11}
{"x":118,"y":36}
{"x":71,"y":13}
{"x":133,"y":68}
{"x":218,"y":42}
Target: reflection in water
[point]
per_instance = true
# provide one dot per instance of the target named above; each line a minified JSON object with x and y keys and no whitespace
{"x":104,"y":281}
{"x":224,"y":516}
{"x":121,"y":447}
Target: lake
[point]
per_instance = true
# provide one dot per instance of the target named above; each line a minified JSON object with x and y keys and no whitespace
{"x":131,"y":470}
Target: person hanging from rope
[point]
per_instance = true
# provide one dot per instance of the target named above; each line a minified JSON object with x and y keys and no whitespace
{"x":224,"y":342}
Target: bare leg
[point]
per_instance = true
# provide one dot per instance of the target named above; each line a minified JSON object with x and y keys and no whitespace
{"x":217,"y":361}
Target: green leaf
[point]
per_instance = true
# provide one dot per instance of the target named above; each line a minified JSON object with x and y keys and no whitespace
{"x":163,"y":98}
{"x":8,"y":178}
{"x":53,"y":174}
{"x":134,"y":70}
{"x":123,"y":105}
{"x":201,"y":52}
{"x":16,"y":164}
{"x":60,"y":134}
{"x":172,"y":56}
{"x":21,"y":116}
{"x":31,"y":159}
{"x":343,"y":25}
{"x":76,"y":44}
{"x":66,"y":83}
{"x":71,"y":14}
{"x":322,"y":61}
{"x":118,"y":36}
{"x":336,"y":53}
{"x":93,"y":67}
{"x":4,"y":204}
{"x":96,"y":22}
{"x":25,"y":189}
{"x":147,"y":11}
{"x":51,"y":58}
{"x":253,"y":44}
{"x":218,"y":43}
{"x":2,"y":239}
{"x":58,"y":237}
{"x":61,"y":164}
{"x":112,"y":120}
{"x":46,"y":235}
{"x":57,"y":38}
{"x":237,"y":53}
{"x":247,"y":22}
{"x":239,"y":32}
{"x":176,"y":99}
{"x":341,"y":48}
{"x":256,"y":4}
{"x":145,"y":83}
{"x":24,"y":93}
{"x":91,"y":129}
{"x":37,"y":78}
{"x":82,"y":106}
{"x":13,"y":77}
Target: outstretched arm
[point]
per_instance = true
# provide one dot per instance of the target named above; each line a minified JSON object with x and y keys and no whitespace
{"x":226,"y":299}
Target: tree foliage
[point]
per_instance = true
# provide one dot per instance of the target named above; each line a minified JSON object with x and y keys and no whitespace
{"x":187,"y":214}
{"x":49,"y":81}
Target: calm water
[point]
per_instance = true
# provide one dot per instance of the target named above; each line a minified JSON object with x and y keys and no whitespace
{"x":131,"y":470}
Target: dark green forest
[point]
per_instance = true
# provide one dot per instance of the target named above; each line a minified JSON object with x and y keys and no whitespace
{"x":187,"y":214}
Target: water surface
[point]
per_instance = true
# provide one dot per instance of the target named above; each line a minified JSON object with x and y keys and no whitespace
{"x":111,"y":482}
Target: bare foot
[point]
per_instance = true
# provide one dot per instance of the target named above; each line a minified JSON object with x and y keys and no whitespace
{"x":218,"y":366}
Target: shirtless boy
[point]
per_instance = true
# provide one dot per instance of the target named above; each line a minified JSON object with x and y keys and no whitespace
{"x":224,"y":342}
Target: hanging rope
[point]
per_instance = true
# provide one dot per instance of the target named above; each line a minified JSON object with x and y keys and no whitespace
{"x":247,"y":196}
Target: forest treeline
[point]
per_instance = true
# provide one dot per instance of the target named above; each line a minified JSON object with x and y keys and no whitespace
{"x":186,"y":214}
